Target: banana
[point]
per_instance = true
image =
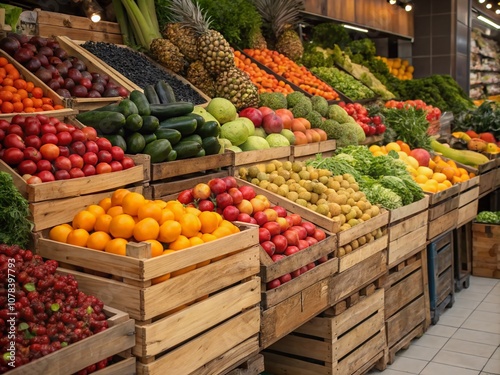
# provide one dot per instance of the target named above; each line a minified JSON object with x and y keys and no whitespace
{"x":461,"y":135}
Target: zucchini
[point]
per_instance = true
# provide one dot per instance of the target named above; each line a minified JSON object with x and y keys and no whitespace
{"x":165,"y":92}
{"x":209,"y":129}
{"x":149,"y":124}
{"x":127,"y":107}
{"x":113,"y":107}
{"x":172,"y":155}
{"x":199,"y":119}
{"x":158,"y":150}
{"x":173,"y":135}
{"x":466,"y":157}
{"x":149,"y":137}
{"x":211,"y":145}
{"x":188,"y":149}
{"x":186,"y":125}
{"x":121,"y":132}
{"x":134,"y":122}
{"x":106,"y":122}
{"x":200,"y":153}
{"x":151,"y":94}
{"x":135,"y":143}
{"x":141,"y":102}
{"x":169,"y":110}
{"x":193,"y":137}
{"x":117,"y":140}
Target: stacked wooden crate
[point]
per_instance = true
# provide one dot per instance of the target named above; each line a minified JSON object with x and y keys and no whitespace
{"x":443,"y":211}
{"x":486,"y":250}
{"x":309,"y":150}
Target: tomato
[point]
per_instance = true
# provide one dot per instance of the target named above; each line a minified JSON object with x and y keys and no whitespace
{"x":49,"y":151}
{"x":104,"y":144}
{"x":64,"y":138}
{"x":127,"y":162}
{"x":103,"y":168}
{"x":116,"y":166}
{"x":62,"y":162}
{"x":381,"y":128}
{"x":50,"y":138}
{"x":117,"y":153}
{"x":90,"y":133}
{"x":201,"y":191}
{"x":13,"y":140}
{"x":78,"y":135}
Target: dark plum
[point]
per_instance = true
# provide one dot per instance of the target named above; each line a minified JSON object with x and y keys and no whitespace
{"x":110,"y":92}
{"x":64,"y":93}
{"x":34,"y":64}
{"x":62,"y":68}
{"x":44,"y":74}
{"x":61,"y":53}
{"x":69,"y":83}
{"x":79,"y":91}
{"x":47,"y":51}
{"x":54,"y":84}
{"x":86,"y":74}
{"x":43,"y":59}
{"x":74,"y":74}
{"x":10,"y":45}
{"x":23,"y":55}
{"x":94,"y":94}
{"x":99,"y":87}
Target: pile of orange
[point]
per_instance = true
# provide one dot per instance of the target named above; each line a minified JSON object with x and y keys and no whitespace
{"x":18,"y":95}
{"x":127,"y":216}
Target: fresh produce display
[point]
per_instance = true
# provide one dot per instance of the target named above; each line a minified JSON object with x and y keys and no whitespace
{"x":127,"y":216}
{"x":344,"y":83}
{"x":433,"y":113}
{"x":264,"y":81}
{"x":50,"y":312}
{"x":383,"y":178}
{"x":342,"y":127}
{"x":44,"y":149}
{"x":483,"y":119}
{"x":470,"y":140}
{"x":488,"y":217}
{"x":140,"y":70}
{"x":371,"y":125}
{"x":466,"y":157}
{"x":281,"y":234}
{"x":154,"y":123}
{"x":335,"y":196}
{"x":14,"y":213}
{"x":298,"y":75}
{"x":66,"y":75}
{"x":398,"y":67}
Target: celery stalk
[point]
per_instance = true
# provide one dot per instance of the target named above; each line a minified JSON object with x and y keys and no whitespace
{"x":122,"y":19}
{"x":148,"y":10}
{"x":137,"y":21}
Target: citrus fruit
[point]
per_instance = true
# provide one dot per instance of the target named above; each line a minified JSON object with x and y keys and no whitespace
{"x":132,"y":202}
{"x":190,"y":224}
{"x":98,"y":240}
{"x":117,"y":246}
{"x":78,"y":237}
{"x":182,"y":242}
{"x":151,"y":209}
{"x":146,"y":229}
{"x":122,"y":226}
{"x":102,"y":223}
{"x":170,"y":230}
{"x":156,"y":248}
{"x":84,"y":220}
{"x":60,"y":232}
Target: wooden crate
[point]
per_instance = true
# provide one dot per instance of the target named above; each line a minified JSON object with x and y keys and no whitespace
{"x":462,"y":253}
{"x":249,"y":158}
{"x":407,"y":310}
{"x":252,"y":366}
{"x":309,"y":150}
{"x":342,"y":341}
{"x":407,"y":230}
{"x":114,"y":341}
{"x":441,"y":276}
{"x":468,"y":201}
{"x":124,"y":282}
{"x":443,"y":211}
{"x":486,"y":250}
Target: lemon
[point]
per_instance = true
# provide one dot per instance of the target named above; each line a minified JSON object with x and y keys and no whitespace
{"x":426,"y":171}
{"x":392,"y":146}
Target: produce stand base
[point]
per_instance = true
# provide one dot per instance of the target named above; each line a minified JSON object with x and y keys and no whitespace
{"x":486,"y":250}
{"x":462,"y":251}
{"x":443,"y":211}
{"x":252,"y":366}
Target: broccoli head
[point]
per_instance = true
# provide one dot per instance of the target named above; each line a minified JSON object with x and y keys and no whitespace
{"x":273,"y":100}
{"x":329,"y":126}
{"x":361,"y":133}
{"x":337,"y":113}
{"x":302,"y":108}
{"x":293,"y":98}
{"x":320,"y":105}
{"x":314,"y":118}
{"x":346,"y":134}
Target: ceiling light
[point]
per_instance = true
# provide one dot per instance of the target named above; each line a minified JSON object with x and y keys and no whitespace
{"x":408,"y":7}
{"x":355,"y":28}
{"x":488,"y":21}
{"x":392,"y":2}
{"x":497,"y":11}
{"x":488,"y":6}
{"x":481,"y":1}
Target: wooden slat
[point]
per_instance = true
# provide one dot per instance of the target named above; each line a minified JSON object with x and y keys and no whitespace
{"x":409,"y":210}
{"x":445,"y":285}
{"x":311,"y":348}
{"x":259,"y":156}
{"x":363,"y":354}
{"x":467,"y":185}
{"x":253,"y":366}
{"x":280,"y":365}
{"x":349,"y":260}
{"x":405,"y":320}
{"x":435,"y":198}
{"x":76,"y":22}
{"x":161,"y":189}
{"x":408,"y":225}
{"x":443,"y":207}
{"x":442,"y":224}
{"x":468,"y":196}
{"x":403,"y":293}
{"x":124,"y":367}
{"x":97,"y":36}
{"x":467,"y":213}
{"x":359,"y":230}
{"x":405,"y":245}
{"x":160,"y":171}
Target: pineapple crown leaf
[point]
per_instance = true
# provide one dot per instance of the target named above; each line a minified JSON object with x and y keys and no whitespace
{"x":188,"y":13}
{"x":281,"y":14}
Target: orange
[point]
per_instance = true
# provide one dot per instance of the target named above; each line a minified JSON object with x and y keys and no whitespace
{"x":464,"y":177}
{"x":209,"y":222}
{"x":195,"y":241}
{"x":442,"y":186}
{"x":170,"y":230}
{"x":122,"y":226}
{"x":161,"y":203}
{"x":117,"y":197}
{"x":421,"y":179}
{"x":222,"y":232}
{"x":115,"y":210}
{"x":78,"y":237}
{"x":85,"y":220}
{"x":182,"y":242}
{"x":102,"y":223}
{"x":449,"y":172}
{"x":233,"y":228}
{"x":151,"y":210}
{"x":146,"y":229}
{"x":192,"y":210}
{"x":37,"y":92}
{"x":190,"y":224}
{"x":156,"y":247}
{"x":207,"y":237}
{"x":177,"y":208}
{"x":132,"y":202}
{"x":96,"y":210}
{"x":117,"y":246}
{"x":60,"y":232}
{"x":166,"y":214}
{"x":98,"y":240}
{"x":105,"y":203}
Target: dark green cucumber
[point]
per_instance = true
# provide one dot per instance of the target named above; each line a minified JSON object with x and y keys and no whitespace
{"x":158,"y":150}
{"x":117,"y":140}
{"x":135,"y":143}
{"x":151,"y":94}
{"x":186,"y":125}
{"x":172,"y":155}
{"x":211,"y":145}
{"x":174,"y":136}
{"x":149,"y":124}
{"x":149,"y":137}
{"x":165,"y":92}
{"x":200,"y":153}
{"x":141,"y":102}
{"x":188,"y":149}
{"x":169,"y":110}
{"x":113,"y":107}
{"x":122,"y":132}
{"x":200,"y":121}
{"x":134,"y":122}
{"x":193,"y":137}
{"x":128,"y":107}
{"x":106,"y":122}
{"x":209,"y":129}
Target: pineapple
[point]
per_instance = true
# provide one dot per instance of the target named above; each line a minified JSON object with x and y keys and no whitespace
{"x":198,"y":76}
{"x":283,"y":16}
{"x":257,"y":40}
{"x":237,"y":87}
{"x":166,"y":53}
{"x":183,"y":38}
{"x":213,"y":50}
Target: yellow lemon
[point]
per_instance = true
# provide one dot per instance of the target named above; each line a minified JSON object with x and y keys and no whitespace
{"x":410,"y":160}
{"x":393,"y":146}
{"x":421,"y":179}
{"x":425,"y":171}
{"x":439,"y":177}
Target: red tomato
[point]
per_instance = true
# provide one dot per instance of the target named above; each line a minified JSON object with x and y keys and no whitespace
{"x":49,"y":151}
{"x":103,"y":168}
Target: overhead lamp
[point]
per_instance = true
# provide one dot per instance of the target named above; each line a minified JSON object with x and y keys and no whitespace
{"x":489,"y":6}
{"x":408,"y":7}
{"x":92,"y":10}
{"x":481,"y":1}
{"x":392,"y":2}
{"x":355,"y":28}
{"x":488,"y":21}
{"x":497,"y":11}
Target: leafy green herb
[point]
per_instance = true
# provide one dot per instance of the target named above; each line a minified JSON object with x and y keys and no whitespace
{"x":409,"y":125}
{"x":485,"y":118}
{"x":343,"y":82}
{"x":488,"y":217}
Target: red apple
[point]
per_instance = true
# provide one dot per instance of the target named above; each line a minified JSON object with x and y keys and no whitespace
{"x":260,"y":217}
{"x":264,"y":235}
{"x":236,"y":194}
{"x":272,"y":123}
{"x":230,"y":182}
{"x":273,"y":227}
{"x":273,"y":284}
{"x":243,"y":217}
{"x":230,"y":213}
{"x":280,"y":210}
{"x":265,"y":111}
{"x":309,"y":227}
{"x":422,"y":156}
{"x":269,"y":247}
{"x":248,"y":192}
{"x":292,"y":237}
{"x":301,"y":231}
{"x":253,"y":114}
{"x":285,"y":278}
{"x":281,"y":243}
{"x":290,"y":250}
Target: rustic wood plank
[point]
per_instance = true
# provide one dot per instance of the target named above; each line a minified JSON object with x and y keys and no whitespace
{"x":124,"y":367}
{"x":409,"y":210}
{"x":468,"y":196}
{"x":442,"y":224}
{"x":160,"y":171}
{"x":405,"y":342}
{"x":280,"y":365}
{"x":443,"y":207}
{"x":359,"y":230}
{"x":349,"y":260}
{"x":406,"y":245}
{"x":161,"y":189}
{"x":253,"y":366}
{"x":97,"y":36}
{"x":399,"y":295}
{"x":471,"y":183}
{"x":363,"y":354}
{"x":405,"y":321}
{"x":435,"y":198}
{"x":407,"y":225}
{"x":308,"y":347}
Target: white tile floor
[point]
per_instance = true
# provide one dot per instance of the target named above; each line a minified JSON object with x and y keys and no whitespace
{"x":466,"y":340}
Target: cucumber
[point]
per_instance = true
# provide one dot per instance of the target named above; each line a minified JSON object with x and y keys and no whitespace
{"x":209,"y":129}
{"x":141,"y":102}
{"x":149,"y":124}
{"x":117,"y":140}
{"x":151,"y":94}
{"x":135,"y":143}
{"x":134,"y":122}
{"x":193,"y":137}
{"x":186,"y":125}
{"x":106,"y":122}
{"x":121,"y":132}
{"x":113,"y":107}
{"x":200,"y":153}
{"x":128,"y":107}
{"x":149,"y":137}
{"x":199,"y":119}
{"x":211,"y":145}
{"x":169,"y":110}
{"x":172,"y":155}
{"x":165,"y":92}
{"x":158,"y":150}
{"x":188,"y":149}
{"x":174,"y":136}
